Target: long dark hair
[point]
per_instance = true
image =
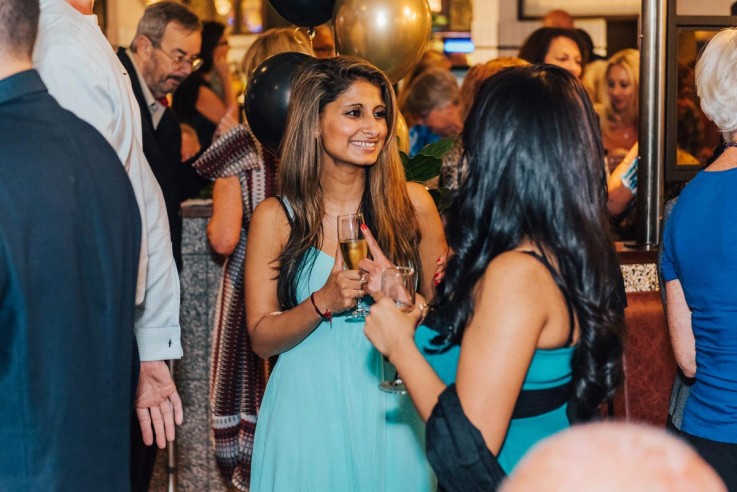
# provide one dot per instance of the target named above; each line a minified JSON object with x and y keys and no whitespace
{"x":536,"y":172}
{"x":212,"y":31}
{"x":386,"y":206}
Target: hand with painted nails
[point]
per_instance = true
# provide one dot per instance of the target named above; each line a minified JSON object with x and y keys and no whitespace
{"x":441,"y":263}
{"x":373,"y":267}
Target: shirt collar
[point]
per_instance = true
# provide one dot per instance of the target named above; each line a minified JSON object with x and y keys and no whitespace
{"x":151,"y":102}
{"x":20,"y":84}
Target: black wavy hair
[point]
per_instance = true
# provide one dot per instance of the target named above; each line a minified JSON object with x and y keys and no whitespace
{"x":536,"y":172}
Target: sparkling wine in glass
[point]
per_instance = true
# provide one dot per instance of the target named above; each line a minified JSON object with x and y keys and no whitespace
{"x":398,"y":283}
{"x":353,"y":247}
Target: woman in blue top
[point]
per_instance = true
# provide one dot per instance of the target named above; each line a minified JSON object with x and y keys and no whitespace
{"x":699,"y":266}
{"x":324,"y":425}
{"x":527,"y":322}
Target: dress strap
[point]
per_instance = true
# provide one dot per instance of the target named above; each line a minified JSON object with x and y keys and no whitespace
{"x":563,"y":290}
{"x":288,"y":210}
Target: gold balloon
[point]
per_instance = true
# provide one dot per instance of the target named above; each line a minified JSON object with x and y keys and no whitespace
{"x":402,"y":133}
{"x":391,"y":34}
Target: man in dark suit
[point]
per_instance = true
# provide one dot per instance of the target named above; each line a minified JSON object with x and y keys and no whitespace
{"x":164,"y":52}
{"x":162,"y":55}
{"x":70,"y":235}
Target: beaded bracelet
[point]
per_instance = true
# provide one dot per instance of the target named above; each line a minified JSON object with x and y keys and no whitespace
{"x":327,"y":315}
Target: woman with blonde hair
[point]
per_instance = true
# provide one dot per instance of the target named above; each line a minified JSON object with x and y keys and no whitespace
{"x":324,"y":424}
{"x":619,"y":114}
{"x":271,"y":42}
{"x":245,"y":174}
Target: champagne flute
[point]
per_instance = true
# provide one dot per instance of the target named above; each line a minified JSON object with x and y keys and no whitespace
{"x":398,"y":283}
{"x":353,"y":248}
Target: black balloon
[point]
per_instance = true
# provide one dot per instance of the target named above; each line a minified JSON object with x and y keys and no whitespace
{"x":267,"y":96}
{"x":305,"y":13}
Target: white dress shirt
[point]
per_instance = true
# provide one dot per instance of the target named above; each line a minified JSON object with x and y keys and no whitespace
{"x":82,"y":72}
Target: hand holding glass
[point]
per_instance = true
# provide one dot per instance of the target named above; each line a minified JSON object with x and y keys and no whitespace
{"x":353,"y":248}
{"x":398,"y":284}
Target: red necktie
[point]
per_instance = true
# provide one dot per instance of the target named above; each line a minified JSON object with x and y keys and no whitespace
{"x":164,"y":101}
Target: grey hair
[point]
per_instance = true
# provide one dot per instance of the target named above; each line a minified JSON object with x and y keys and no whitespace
{"x":433,"y":89}
{"x":716,"y":81}
{"x":159,"y":15}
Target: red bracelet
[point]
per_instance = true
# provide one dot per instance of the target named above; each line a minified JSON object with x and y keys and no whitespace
{"x":327,"y":315}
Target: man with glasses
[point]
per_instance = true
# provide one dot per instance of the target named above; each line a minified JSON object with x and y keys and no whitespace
{"x":78,"y":65}
{"x":164,"y":52}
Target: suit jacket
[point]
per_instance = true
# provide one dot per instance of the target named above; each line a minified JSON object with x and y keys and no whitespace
{"x":162,"y":147}
{"x":70,"y":234}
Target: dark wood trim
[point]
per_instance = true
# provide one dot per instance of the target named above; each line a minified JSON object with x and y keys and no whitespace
{"x":629,"y":254}
{"x":676,"y":25}
{"x":196,"y":211}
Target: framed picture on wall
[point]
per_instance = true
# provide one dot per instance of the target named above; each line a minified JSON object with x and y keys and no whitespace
{"x":610,"y":9}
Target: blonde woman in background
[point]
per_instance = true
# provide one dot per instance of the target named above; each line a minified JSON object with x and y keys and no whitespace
{"x":619,"y":114}
{"x":245,"y":173}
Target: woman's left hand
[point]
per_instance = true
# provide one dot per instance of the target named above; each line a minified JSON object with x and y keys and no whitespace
{"x":373,"y":267}
{"x":389,"y":328}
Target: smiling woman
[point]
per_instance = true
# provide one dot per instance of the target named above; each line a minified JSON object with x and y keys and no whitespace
{"x":556,"y":46}
{"x":323,"y":423}
{"x":619,"y":116}
{"x":353,"y":127}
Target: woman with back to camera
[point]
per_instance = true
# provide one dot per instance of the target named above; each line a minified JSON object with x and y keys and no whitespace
{"x":699,"y":267}
{"x":526,"y":327}
{"x":324,"y":424}
{"x":556,"y":46}
{"x":245,"y":175}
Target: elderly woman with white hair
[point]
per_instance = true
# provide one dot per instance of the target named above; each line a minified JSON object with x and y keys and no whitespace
{"x":700,"y":269}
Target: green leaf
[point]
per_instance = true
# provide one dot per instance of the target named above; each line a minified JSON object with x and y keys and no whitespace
{"x":425,"y":165}
{"x":437,"y":149}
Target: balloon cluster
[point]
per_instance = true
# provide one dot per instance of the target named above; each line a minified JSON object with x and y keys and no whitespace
{"x":391,"y":34}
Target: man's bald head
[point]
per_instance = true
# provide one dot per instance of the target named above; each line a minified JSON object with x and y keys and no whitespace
{"x":609,"y":457}
{"x":558,"y":18}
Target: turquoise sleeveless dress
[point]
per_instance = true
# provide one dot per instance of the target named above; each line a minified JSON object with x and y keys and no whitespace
{"x":324,"y":424}
{"x":548,"y":369}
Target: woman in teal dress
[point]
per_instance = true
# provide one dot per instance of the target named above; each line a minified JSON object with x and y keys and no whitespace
{"x":525,"y":332}
{"x":324,"y":424}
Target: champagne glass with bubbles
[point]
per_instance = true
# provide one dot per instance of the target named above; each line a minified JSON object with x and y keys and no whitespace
{"x":353,"y":247}
{"x":399,"y":284}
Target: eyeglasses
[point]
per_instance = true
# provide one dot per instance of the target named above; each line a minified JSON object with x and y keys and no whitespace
{"x":180,"y":60}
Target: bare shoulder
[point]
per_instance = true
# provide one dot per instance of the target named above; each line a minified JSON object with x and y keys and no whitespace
{"x":269,"y":221}
{"x":512,"y":273}
{"x":512,"y":297}
{"x":421,"y":199}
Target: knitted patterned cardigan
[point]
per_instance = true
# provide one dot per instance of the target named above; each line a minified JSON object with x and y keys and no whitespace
{"x":237,"y":375}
